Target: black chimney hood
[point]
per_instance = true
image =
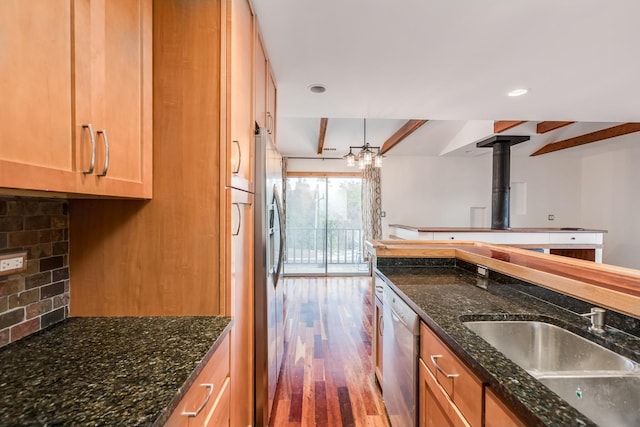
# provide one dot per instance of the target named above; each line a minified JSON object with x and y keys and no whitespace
{"x":500,"y":183}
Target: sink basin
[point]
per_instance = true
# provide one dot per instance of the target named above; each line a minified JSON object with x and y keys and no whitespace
{"x":601,"y":384}
{"x":608,"y":401}
{"x":541,"y":348}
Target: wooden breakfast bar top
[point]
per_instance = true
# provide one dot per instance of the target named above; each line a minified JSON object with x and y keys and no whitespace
{"x":610,"y":286}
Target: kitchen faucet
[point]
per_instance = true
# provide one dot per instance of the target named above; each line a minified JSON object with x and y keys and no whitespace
{"x":597,"y":319}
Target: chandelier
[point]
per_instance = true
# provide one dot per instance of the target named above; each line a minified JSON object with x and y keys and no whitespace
{"x":365,"y":154}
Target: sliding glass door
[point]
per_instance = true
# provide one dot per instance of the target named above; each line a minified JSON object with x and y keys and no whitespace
{"x":324,"y":226}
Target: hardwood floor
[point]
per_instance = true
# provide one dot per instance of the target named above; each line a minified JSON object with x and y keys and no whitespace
{"x":326,"y":374}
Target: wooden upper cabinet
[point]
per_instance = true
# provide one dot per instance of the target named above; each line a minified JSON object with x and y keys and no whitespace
{"x":113,"y":85}
{"x":36,"y":144}
{"x":271,"y":102}
{"x":64,"y":65}
{"x":261,"y":66}
{"x":265,"y":90}
{"x":240,"y":97}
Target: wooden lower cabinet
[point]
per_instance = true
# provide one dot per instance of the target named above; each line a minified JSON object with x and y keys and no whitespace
{"x":496,"y":414}
{"x":455,"y":387}
{"x":207,"y":403}
{"x":436,"y":408}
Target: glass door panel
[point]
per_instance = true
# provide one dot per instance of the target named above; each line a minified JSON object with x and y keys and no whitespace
{"x":306,"y":214}
{"x":324,"y":226}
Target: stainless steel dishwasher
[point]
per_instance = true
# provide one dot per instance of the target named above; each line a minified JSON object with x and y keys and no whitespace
{"x":400,"y":360}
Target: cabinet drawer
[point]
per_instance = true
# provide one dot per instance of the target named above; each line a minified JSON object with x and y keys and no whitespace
{"x":460,"y":384}
{"x":573,"y":238}
{"x":378,"y":286}
{"x":207,"y":387}
{"x":436,"y":408}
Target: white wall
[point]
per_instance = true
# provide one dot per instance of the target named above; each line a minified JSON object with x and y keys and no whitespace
{"x":611,"y":197}
{"x":553,"y":186}
{"x":434,"y":191}
{"x":440,"y":191}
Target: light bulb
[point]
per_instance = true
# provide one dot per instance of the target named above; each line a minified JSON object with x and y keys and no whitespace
{"x":377,"y":161}
{"x":361,"y":163}
{"x":367,"y":157}
{"x":351,"y":160}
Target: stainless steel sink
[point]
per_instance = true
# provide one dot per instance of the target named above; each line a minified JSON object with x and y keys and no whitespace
{"x":603,"y":385}
{"x":541,"y":348}
{"x":608,"y":401}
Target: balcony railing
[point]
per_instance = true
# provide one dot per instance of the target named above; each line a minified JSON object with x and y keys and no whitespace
{"x":307,"y":246}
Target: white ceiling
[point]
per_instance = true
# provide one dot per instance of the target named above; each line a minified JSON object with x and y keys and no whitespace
{"x":449,"y":61}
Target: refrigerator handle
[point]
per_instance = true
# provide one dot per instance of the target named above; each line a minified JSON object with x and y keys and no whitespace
{"x":282,"y":237}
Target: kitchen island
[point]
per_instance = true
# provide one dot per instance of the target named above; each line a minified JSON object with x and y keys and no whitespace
{"x":105,"y":371}
{"x":574,"y":242}
{"x":445,"y":290}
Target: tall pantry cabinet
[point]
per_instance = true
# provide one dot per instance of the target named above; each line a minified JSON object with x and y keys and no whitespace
{"x":240,"y":180}
{"x":189,"y":250}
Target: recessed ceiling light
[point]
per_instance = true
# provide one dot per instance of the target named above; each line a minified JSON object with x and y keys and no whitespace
{"x":518,"y":92}
{"x":317,"y":88}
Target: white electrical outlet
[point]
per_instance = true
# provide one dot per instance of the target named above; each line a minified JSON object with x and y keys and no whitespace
{"x":13,"y":262}
{"x":483,"y":271}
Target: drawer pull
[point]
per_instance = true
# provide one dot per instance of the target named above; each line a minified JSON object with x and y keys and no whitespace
{"x":201,"y":407}
{"x":435,"y":363}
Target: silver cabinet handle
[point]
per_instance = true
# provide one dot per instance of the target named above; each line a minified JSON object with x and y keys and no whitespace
{"x":269,"y":123}
{"x":106,"y":156}
{"x":201,"y":407}
{"x":381,"y":325}
{"x":235,"y":169}
{"x":93,"y":149}
{"x":434,"y":358}
{"x":237,"y":231}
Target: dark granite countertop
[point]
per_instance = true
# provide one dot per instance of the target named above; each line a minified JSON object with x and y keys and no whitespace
{"x":104,"y":371}
{"x":445,"y":295}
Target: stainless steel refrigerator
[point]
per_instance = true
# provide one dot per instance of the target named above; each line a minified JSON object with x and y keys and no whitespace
{"x":268,"y":292}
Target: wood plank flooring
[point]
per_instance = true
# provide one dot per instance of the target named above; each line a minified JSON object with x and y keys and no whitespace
{"x":326,"y":374}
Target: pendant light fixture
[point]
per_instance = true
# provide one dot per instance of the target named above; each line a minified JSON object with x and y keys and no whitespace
{"x":365,"y":155}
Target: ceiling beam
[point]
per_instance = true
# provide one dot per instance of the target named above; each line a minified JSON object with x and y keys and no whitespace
{"x":544,"y":127}
{"x":587,"y":138}
{"x":503,"y":125}
{"x":323,"y":134}
{"x":406,"y":130}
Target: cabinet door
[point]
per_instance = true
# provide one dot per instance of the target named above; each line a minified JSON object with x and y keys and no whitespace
{"x":36,"y":144}
{"x":261,"y":83}
{"x":241,"y":292}
{"x":271,"y":103}
{"x":241,"y":95}
{"x":113,"y":94}
{"x":496,"y":414}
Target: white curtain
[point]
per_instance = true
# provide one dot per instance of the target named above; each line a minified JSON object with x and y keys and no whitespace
{"x":284,"y":203}
{"x":371,"y":203}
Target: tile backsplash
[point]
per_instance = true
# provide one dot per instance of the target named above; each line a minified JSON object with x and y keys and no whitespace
{"x":38,"y":297}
